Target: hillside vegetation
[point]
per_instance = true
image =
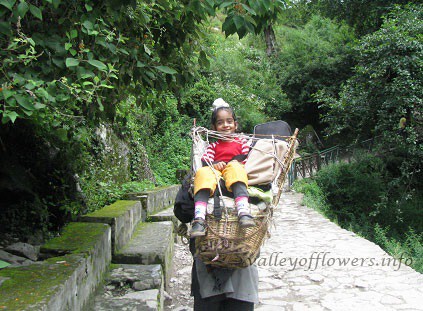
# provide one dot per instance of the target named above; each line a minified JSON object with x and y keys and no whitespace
{"x":98,"y":100}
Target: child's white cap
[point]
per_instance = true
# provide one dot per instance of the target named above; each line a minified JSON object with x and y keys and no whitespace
{"x":218,"y":103}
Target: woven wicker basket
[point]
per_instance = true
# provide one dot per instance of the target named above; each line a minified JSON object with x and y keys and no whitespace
{"x":229,"y":246}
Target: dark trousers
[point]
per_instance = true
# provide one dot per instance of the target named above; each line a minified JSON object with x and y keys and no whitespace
{"x":239,"y":189}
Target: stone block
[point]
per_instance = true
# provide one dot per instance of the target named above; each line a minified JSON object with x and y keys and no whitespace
{"x":166,"y":215}
{"x":122,"y":216}
{"x":152,"y":243}
{"x":155,"y":200}
{"x":135,"y":301}
{"x":135,"y":287}
{"x":60,"y":283}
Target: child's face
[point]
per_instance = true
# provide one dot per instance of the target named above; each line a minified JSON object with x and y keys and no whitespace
{"x":225,"y":123}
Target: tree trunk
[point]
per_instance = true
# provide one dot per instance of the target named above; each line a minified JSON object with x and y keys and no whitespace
{"x":270,"y":38}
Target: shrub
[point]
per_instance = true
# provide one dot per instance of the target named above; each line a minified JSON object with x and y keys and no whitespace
{"x":352,"y":189}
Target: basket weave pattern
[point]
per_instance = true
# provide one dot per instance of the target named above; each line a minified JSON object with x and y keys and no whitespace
{"x":227,"y":245}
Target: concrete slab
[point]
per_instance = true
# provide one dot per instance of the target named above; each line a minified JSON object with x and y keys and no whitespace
{"x":152,"y":243}
{"x":166,"y":215}
{"x":122,"y":216}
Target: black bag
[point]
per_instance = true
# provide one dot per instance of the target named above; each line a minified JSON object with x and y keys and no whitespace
{"x":184,"y":202}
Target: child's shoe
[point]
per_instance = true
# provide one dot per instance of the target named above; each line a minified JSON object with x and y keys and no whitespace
{"x":198,"y":228}
{"x":246,"y":220}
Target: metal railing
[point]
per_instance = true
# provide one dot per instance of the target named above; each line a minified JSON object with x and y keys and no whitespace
{"x":309,"y":165}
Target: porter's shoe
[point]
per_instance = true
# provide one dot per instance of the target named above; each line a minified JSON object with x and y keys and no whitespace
{"x":198,"y":228}
{"x":246,"y":220}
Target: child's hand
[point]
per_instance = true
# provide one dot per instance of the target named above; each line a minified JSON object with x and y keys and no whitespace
{"x":219,"y":166}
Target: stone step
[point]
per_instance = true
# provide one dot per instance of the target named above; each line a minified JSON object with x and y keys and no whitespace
{"x":151,"y":243}
{"x":131,"y":287}
{"x":166,"y":215}
{"x":155,"y":200}
{"x":122,"y":216}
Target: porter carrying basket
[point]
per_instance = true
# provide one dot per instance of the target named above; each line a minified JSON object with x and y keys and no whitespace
{"x":226,"y":244}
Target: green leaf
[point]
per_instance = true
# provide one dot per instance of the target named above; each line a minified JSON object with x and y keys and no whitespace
{"x":88,"y":7}
{"x":107,"y":86}
{"x":203,"y":60}
{"x":238,"y":21}
{"x":88,"y":25}
{"x":73,"y":34}
{"x":68,"y":46}
{"x":88,"y":74}
{"x":62,"y":134}
{"x":24,"y":102}
{"x":100,"y":104}
{"x":150,"y":74}
{"x":7,"y":93}
{"x":8,"y":4}
{"x":228,"y":26}
{"x":41,"y":92}
{"x":72,"y":62}
{"x":147,"y":50}
{"x":225,"y":4}
{"x":39,"y":106}
{"x":166,"y":69}
{"x":58,"y":61}
{"x":248,"y":9}
{"x":23,"y":9}
{"x":56,"y":3}
{"x":73,"y":52}
{"x":140,"y":64}
{"x":5,"y":28}
{"x":35,"y":11}
{"x":98,"y":64}
{"x":9,"y":115}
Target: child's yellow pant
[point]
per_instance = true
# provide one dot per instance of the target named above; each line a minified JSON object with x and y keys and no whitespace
{"x":205,"y":178}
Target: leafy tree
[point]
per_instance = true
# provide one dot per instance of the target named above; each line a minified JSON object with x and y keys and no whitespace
{"x":314,"y":57}
{"x":252,"y":16}
{"x":385,"y":87}
{"x":66,"y":67}
{"x":80,"y":59}
{"x":365,"y":16}
{"x":386,"y":81}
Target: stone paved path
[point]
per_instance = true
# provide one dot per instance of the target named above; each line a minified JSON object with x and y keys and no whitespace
{"x":310,"y":263}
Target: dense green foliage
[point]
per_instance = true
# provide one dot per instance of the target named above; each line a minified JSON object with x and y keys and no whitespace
{"x":365,"y":16}
{"x":315,"y":57}
{"x":386,"y":86}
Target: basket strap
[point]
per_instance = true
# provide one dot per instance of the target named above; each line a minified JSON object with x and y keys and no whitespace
{"x":217,"y":211}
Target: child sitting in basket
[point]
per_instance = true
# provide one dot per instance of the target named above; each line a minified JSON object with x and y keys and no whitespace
{"x":220,"y":155}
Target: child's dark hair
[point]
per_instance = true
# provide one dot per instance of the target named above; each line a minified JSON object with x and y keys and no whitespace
{"x":215,"y":111}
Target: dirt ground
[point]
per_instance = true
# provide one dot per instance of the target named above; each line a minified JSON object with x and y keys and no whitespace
{"x":178,"y":295}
